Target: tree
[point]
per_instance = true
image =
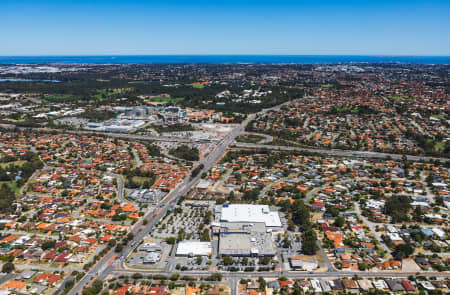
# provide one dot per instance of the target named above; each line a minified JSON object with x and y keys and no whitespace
{"x":199,"y":260}
{"x":398,"y":207}
{"x":174,"y":276}
{"x":94,"y":289}
{"x":137,"y":276}
{"x":130,"y":236}
{"x":262,"y":284}
{"x":339,"y":221}
{"x":227,"y":260}
{"x":309,"y":245}
{"x":214,"y":277}
{"x":185,"y":152}
{"x":8,"y":267}
{"x":286,"y":242}
{"x":265,"y":260}
{"x":119,"y":248}
{"x":205,"y":235}
{"x":111,"y":243}
{"x":251,"y":195}
{"x":403,"y":251}
{"x":245,"y":261}
{"x":48,"y":245}
{"x":171,"y":240}
{"x":7,"y":199}
{"x":301,"y":213}
{"x":291,"y":225}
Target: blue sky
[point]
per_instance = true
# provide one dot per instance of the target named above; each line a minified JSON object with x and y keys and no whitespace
{"x":43,"y":27}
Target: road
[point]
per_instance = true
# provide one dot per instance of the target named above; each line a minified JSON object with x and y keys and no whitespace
{"x":327,"y":262}
{"x":137,"y":159}
{"x":63,"y":285}
{"x":232,"y":278}
{"x":24,"y":188}
{"x":293,"y":274}
{"x":267,"y":138}
{"x":263,"y":192}
{"x":429,"y":195}
{"x":336,"y":152}
{"x":108,"y":134}
{"x":105,"y":266}
{"x":372,"y":228}
{"x":6,"y":278}
{"x":120,"y":187}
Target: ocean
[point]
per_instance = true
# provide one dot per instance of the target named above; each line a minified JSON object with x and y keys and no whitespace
{"x":224,"y":59}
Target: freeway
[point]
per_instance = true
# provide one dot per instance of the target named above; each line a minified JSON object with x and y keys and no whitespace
{"x":107,"y":134}
{"x":337,"y":152}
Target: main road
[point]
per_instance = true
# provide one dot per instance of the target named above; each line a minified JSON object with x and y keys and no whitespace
{"x":337,"y":152}
{"x":106,"y":265}
{"x":101,"y":133}
{"x":293,"y":274}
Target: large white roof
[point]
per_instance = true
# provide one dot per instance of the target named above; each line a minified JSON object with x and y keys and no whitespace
{"x":194,"y":248}
{"x":250,"y":213}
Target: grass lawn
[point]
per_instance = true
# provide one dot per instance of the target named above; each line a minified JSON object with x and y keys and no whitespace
{"x":397,"y":97}
{"x":198,"y":86}
{"x":249,"y":138}
{"x":42,"y":109}
{"x":102,"y":93}
{"x":18,"y":163}
{"x":440,"y":116}
{"x":54,"y":264}
{"x":163,"y":99}
{"x":16,"y":121}
{"x":57,"y":97}
{"x":439,"y":146}
{"x":140,"y":180}
{"x":13,"y":186}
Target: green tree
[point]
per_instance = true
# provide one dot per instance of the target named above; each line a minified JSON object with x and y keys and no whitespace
{"x":309,"y":245}
{"x":398,"y":207}
{"x":48,"y":245}
{"x":227,"y":260}
{"x":403,"y":251}
{"x":339,"y":221}
{"x":8,"y":267}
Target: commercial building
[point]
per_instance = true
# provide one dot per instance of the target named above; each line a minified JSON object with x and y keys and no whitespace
{"x":150,"y":247}
{"x":246,"y":229}
{"x":145,"y":195}
{"x":244,"y":239}
{"x":247,"y":213}
{"x":194,"y":248}
{"x":303,"y":262}
{"x":151,"y":258}
{"x":122,"y":125}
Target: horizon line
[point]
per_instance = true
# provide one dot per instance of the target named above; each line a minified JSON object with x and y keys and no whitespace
{"x":223,"y":54}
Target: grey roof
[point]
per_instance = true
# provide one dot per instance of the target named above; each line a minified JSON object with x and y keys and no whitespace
{"x":26,"y":274}
{"x":395,"y":285}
